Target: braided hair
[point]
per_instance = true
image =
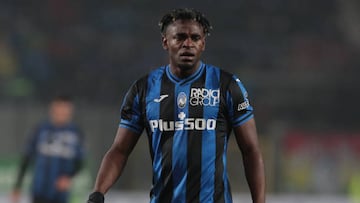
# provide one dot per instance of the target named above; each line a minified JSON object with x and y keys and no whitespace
{"x":185,"y":14}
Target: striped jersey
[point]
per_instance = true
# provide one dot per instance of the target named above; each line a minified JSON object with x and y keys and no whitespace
{"x":188,"y":123}
{"x":54,"y":151}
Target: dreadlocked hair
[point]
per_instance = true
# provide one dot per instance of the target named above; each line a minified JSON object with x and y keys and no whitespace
{"x":185,"y":14}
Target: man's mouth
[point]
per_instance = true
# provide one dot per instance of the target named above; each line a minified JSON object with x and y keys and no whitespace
{"x":187,"y":55}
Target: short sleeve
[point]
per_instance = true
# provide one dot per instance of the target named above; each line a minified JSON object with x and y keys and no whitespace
{"x":130,"y":113}
{"x":32,"y":142}
{"x":240,"y":110}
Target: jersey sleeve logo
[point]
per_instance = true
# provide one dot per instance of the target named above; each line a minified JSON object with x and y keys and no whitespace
{"x":162,"y":97}
{"x":243,"y":105}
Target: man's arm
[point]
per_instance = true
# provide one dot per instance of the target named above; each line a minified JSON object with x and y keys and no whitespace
{"x":25,"y":162}
{"x":15,"y":195}
{"x":247,"y":140}
{"x":27,"y":158}
{"x":115,"y":159}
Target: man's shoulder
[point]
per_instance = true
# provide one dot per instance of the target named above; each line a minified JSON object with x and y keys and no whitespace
{"x":157,"y":72}
{"x":43,"y":124}
{"x":218,"y":70}
{"x":73,"y":126}
{"x":153,"y":75}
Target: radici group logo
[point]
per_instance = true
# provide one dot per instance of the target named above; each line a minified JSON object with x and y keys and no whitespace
{"x":204,"y":97}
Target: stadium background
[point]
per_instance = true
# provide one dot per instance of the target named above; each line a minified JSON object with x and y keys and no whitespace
{"x":298,"y":59}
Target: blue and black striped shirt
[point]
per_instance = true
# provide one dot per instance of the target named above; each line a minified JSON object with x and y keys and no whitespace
{"x":55,"y":151}
{"x":188,"y":122}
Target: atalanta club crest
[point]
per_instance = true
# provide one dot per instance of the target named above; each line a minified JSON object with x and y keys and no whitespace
{"x":181,"y":100}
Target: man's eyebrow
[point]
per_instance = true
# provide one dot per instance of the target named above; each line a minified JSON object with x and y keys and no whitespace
{"x":185,"y":33}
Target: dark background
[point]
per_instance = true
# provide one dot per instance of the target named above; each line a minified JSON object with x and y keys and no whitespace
{"x":299,"y":61}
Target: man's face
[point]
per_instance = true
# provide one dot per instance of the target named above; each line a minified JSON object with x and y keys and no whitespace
{"x":61,"y":112}
{"x":185,"y":41}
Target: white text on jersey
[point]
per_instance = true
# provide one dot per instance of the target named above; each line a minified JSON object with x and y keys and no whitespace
{"x":204,"y":97}
{"x":186,"y":124}
{"x":243,"y":105}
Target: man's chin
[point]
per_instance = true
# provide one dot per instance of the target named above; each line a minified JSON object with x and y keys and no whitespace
{"x":187,"y":65}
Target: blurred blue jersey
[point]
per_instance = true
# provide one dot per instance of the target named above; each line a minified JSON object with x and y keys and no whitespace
{"x":55,"y":152}
{"x":188,"y":122}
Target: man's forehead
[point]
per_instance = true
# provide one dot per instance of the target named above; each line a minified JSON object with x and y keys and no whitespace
{"x":185,"y":26}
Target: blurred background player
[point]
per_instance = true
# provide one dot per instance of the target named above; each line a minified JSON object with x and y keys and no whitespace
{"x":56,"y":151}
{"x":188,"y":109}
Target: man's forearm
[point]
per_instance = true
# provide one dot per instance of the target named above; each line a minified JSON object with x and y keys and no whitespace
{"x":255,"y":175}
{"x":23,"y":167}
{"x":110,"y":169}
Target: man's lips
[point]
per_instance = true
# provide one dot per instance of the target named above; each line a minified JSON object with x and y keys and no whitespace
{"x":187,"y":54}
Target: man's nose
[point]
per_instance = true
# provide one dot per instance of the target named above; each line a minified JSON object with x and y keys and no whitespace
{"x":188,"y":42}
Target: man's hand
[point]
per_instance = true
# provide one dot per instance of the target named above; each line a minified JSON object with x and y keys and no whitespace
{"x":96,"y":197}
{"x":63,"y":183}
{"x":15,"y":196}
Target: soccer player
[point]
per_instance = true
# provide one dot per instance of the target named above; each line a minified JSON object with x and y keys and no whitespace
{"x":56,"y":150}
{"x":188,"y":109}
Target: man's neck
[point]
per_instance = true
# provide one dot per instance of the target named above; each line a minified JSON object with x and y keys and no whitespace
{"x":184,"y":72}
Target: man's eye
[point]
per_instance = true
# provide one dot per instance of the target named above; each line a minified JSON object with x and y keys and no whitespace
{"x":180,"y":37}
{"x":195,"y":38}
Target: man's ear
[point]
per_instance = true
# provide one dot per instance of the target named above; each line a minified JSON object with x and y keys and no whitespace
{"x":164,"y":42}
{"x":204,"y":44}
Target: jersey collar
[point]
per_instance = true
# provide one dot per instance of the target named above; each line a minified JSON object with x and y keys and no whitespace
{"x":192,"y":77}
